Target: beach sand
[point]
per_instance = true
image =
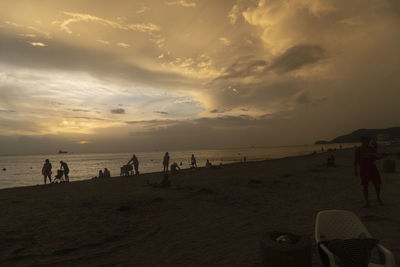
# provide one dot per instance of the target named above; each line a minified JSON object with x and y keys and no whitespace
{"x":208,"y":217}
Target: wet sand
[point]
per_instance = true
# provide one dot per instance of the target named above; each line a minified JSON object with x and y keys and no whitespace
{"x":208,"y":217}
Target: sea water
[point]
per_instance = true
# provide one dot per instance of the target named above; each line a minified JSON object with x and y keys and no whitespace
{"x":27,"y":170}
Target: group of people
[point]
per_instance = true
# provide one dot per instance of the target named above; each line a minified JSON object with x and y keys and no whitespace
{"x":133,"y":163}
{"x":47,"y":171}
{"x":174,"y":166}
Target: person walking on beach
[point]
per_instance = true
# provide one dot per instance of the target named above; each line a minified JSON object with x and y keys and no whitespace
{"x":46,"y":170}
{"x":135,"y":163}
{"x":364,"y":158}
{"x":193,"y":162}
{"x":64,"y":167}
{"x":166,"y":162}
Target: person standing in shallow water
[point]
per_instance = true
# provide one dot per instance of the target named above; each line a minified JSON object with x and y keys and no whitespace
{"x":166,"y":162}
{"x":46,"y":170}
{"x":364,"y":159}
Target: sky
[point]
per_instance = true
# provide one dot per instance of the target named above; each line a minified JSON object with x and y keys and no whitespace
{"x":123,"y":76}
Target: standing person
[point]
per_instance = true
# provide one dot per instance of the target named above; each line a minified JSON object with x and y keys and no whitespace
{"x":135,"y":163}
{"x":46,"y":170}
{"x":64,"y":167}
{"x":364,"y":158}
{"x":193,"y":162}
{"x":101,"y":175}
{"x":166,"y":162}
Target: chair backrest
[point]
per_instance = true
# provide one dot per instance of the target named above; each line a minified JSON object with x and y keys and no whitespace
{"x":338,"y":224}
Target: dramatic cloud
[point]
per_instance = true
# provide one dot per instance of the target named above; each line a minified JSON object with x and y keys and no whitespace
{"x":118,"y":111}
{"x":180,"y":73}
{"x":79,"y":17}
{"x":296,"y":57}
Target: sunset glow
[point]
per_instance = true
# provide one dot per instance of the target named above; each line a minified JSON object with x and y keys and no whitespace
{"x":154,"y":74}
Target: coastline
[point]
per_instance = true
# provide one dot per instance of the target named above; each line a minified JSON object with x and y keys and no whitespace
{"x":185,"y":169}
{"x":207,"y":216}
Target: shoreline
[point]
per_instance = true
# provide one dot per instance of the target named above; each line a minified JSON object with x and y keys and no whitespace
{"x":206,"y":217}
{"x":186,"y":169}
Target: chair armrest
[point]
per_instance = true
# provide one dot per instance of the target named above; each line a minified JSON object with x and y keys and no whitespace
{"x":389,"y":258}
{"x":331,"y":257}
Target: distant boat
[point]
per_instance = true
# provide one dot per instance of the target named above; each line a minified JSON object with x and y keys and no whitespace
{"x":62,"y":152}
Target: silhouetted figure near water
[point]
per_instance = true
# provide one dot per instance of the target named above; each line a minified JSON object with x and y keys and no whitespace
{"x":101,"y":175}
{"x":64,"y":167}
{"x":135,"y":163}
{"x":208,"y":164}
{"x":46,"y":170}
{"x":364,"y":158}
{"x":106,"y":173}
{"x":166,"y":162}
{"x":175,"y":167}
{"x":193,"y":162}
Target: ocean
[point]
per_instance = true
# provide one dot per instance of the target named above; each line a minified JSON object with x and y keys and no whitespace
{"x":25,"y":170}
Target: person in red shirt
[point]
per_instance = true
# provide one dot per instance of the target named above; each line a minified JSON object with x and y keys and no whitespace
{"x":364,"y":158}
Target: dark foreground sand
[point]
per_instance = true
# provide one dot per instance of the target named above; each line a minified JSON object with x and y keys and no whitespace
{"x":209,"y":217}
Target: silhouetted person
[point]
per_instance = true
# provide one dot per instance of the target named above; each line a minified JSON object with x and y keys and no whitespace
{"x":174,"y":167}
{"x":64,"y":167}
{"x":166,"y":162}
{"x":193,"y":162}
{"x":208,"y":164}
{"x":101,"y":175}
{"x":244,"y":159}
{"x":135,"y":163}
{"x":106,"y":173}
{"x":364,"y":158}
{"x":46,"y":170}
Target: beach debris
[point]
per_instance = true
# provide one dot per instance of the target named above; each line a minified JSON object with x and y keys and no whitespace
{"x":288,"y":239}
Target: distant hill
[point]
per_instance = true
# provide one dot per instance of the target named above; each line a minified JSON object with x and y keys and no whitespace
{"x":380,"y":134}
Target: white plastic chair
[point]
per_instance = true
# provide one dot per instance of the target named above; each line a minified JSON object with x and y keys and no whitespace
{"x":342,"y":224}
